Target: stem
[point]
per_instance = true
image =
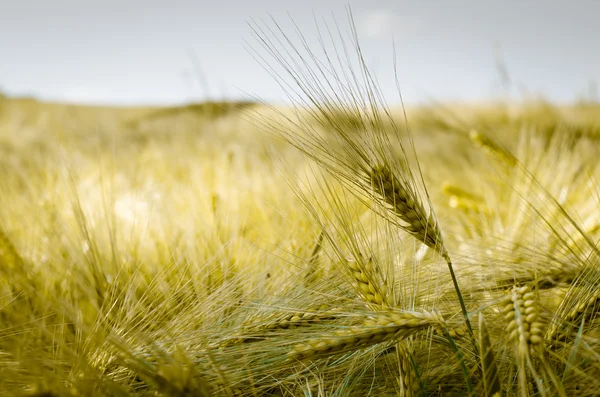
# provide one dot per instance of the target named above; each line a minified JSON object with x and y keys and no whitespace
{"x":462,"y":363}
{"x":457,"y":289}
{"x":462,"y":302}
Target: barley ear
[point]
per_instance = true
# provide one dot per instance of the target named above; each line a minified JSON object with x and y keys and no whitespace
{"x":582,"y":307}
{"x":379,"y":328}
{"x":409,"y":378}
{"x":521,"y":312}
{"x":407,"y":206}
{"x":487,"y":144}
{"x":364,"y":280}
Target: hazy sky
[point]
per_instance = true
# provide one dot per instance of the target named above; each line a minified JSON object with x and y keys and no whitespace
{"x":138,"y":51}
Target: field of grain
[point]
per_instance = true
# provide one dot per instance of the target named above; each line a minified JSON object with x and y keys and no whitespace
{"x":238,"y":249}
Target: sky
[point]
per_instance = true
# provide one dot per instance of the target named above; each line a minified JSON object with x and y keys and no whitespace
{"x":129,"y":52}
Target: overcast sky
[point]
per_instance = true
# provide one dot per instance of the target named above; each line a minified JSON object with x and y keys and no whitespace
{"x":138,"y":51}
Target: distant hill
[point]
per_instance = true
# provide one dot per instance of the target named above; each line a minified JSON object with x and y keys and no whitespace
{"x":26,"y":112}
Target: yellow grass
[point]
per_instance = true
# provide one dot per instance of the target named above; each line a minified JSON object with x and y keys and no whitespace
{"x":137,"y":260}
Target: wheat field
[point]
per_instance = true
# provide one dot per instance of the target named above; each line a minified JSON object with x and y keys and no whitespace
{"x":334,"y":247}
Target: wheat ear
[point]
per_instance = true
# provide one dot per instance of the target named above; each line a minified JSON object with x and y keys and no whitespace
{"x":380,"y":327}
{"x":463,"y":200}
{"x":408,"y":379}
{"x":524,"y":330}
{"x":377,"y":294}
{"x":406,"y":205}
{"x":585,"y":308}
{"x":364,"y":280}
{"x":493,"y":148}
{"x":294,"y":320}
{"x":521,"y":313}
{"x":313,"y":315}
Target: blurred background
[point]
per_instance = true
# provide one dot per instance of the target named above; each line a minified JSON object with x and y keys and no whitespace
{"x":170,"y":52}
